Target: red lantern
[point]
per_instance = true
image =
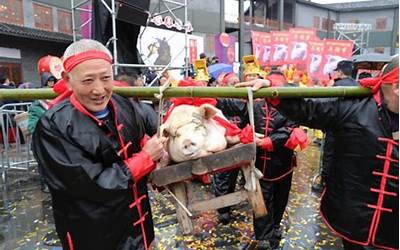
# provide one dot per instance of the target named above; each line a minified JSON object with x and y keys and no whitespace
{"x":50,"y":64}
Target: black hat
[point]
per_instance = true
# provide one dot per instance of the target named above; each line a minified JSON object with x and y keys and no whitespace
{"x":345,"y":66}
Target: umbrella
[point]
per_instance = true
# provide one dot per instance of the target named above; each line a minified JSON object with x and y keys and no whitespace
{"x":216,"y":69}
{"x":372,"y":61}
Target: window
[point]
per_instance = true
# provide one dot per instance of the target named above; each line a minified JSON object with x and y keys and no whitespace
{"x":64,"y":21}
{"x":316,"y":22}
{"x":11,"y":11}
{"x":381,"y":23}
{"x":12,"y":71}
{"x":380,"y":50}
{"x":43,"y":17}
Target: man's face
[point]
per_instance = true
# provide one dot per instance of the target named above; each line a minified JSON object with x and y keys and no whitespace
{"x":92,"y":83}
{"x":391,"y":96}
{"x":250,"y":77}
{"x":233,"y":80}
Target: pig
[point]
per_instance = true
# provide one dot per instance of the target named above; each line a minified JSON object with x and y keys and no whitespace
{"x":299,"y":51}
{"x":267,"y":51}
{"x":193,"y":133}
{"x":281,"y":52}
{"x":331,"y":64}
{"x":315,"y":63}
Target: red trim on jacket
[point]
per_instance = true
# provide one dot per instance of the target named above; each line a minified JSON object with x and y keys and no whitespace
{"x":336,"y":232}
{"x":142,"y":216}
{"x":378,"y":207}
{"x":83,"y":110}
{"x":69,"y":239}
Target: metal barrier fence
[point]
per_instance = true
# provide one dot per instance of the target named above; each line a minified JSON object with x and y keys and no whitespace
{"x":15,"y":142}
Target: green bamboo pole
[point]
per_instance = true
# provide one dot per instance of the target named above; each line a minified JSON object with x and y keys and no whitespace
{"x":149,"y":92}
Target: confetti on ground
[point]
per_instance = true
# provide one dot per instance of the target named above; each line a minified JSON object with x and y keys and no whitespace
{"x":26,"y":220}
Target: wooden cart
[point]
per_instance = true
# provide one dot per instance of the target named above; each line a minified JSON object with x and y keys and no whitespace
{"x":175,"y":176}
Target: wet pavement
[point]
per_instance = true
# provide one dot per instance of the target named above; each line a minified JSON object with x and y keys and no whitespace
{"x":26,"y":218}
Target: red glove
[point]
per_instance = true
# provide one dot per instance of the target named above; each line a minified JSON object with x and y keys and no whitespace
{"x":297,"y":138}
{"x":267,"y":144}
{"x":246,"y":135}
{"x":140,"y":165}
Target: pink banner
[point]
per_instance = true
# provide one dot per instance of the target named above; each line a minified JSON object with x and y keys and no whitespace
{"x":192,"y":50}
{"x":279,"y":51}
{"x":261,"y":43}
{"x":86,"y":18}
{"x":314,"y":60}
{"x":299,"y":45}
{"x":334,"y":52}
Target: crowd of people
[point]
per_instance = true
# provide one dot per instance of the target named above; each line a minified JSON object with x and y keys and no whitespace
{"x":96,"y":149}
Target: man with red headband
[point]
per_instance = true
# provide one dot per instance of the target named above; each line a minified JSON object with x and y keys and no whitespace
{"x":360,"y":202}
{"x":95,"y":157}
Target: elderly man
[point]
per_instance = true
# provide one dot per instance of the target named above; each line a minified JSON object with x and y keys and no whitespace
{"x":361,"y":200}
{"x":95,"y":157}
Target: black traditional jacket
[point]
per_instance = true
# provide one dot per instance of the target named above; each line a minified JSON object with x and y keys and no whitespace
{"x":268,"y":121}
{"x":96,"y":202}
{"x":361,"y":199}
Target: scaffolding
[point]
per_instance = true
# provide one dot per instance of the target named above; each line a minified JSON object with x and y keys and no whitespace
{"x":356,"y":32}
{"x":170,"y":6}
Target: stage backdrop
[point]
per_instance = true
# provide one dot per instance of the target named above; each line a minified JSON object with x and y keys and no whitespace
{"x":160,"y":46}
{"x":225,"y":48}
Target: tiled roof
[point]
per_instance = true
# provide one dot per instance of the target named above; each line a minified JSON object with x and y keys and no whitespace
{"x":355,"y":6}
{"x":20,"y":31}
{"x":375,"y":4}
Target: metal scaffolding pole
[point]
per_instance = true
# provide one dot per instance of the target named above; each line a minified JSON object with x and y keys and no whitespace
{"x":112,"y":10}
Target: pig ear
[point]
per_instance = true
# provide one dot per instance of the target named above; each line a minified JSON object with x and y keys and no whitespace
{"x":164,"y":130}
{"x":208,"y":111}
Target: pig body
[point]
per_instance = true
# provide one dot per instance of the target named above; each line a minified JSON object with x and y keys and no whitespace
{"x":192,"y":132}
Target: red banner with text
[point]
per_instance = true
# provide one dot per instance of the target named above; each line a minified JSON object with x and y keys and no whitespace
{"x":261,"y":44}
{"x":279,"y":51}
{"x":334,"y":52}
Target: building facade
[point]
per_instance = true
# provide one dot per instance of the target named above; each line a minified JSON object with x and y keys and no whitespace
{"x":29,"y":30}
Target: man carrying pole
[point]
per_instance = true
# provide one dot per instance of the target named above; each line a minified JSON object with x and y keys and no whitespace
{"x":360,"y":202}
{"x":95,"y":157}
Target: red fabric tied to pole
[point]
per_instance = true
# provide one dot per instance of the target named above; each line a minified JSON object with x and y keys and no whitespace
{"x":375,"y":83}
{"x":297,"y":138}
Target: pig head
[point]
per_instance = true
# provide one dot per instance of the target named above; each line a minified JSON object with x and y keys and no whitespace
{"x":192,"y":132}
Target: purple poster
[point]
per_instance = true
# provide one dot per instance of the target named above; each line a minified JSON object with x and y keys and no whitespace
{"x":86,"y":21}
{"x":225,"y":48}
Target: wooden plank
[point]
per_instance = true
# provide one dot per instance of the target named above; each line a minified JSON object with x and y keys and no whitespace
{"x":256,"y":198}
{"x":218,"y":202}
{"x":184,"y":220}
{"x":234,"y":156}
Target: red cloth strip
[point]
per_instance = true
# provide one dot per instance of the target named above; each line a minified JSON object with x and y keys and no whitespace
{"x":375,"y":83}
{"x":138,"y":201}
{"x":383,"y":192}
{"x":380,"y":208}
{"x":297,"y":138}
{"x":385,"y":175}
{"x":72,"y":61}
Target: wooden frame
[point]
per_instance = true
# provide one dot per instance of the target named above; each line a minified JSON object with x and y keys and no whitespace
{"x":177,"y":176}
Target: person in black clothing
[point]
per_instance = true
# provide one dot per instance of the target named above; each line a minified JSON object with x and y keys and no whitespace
{"x":343,"y":73}
{"x":95,"y":157}
{"x":360,"y":202}
{"x":275,"y":158}
{"x":344,"y":70}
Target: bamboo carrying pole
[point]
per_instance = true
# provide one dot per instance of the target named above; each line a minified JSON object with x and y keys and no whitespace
{"x":227,"y":92}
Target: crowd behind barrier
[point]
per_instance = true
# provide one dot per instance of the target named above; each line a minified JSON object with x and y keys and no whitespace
{"x":15,"y":142}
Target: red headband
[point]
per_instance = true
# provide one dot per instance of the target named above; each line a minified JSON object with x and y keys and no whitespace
{"x":376,"y":82}
{"x":74,"y":60}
